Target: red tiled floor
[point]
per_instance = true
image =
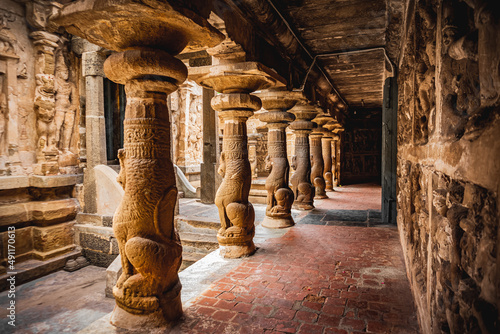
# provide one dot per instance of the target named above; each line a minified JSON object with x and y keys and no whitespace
{"x":314,"y":279}
{"x":352,"y":197}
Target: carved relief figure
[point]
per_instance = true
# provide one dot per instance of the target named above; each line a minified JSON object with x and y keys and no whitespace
{"x":3,"y":123}
{"x":66,"y":104}
{"x":236,"y":214}
{"x":300,"y":180}
{"x":45,"y":111}
{"x":8,"y":41}
{"x":279,"y":196}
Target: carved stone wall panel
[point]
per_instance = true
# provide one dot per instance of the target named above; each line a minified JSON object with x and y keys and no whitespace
{"x":448,"y":171}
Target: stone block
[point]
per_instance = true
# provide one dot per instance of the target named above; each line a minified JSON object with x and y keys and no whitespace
{"x":53,"y":211}
{"x":98,"y":259}
{"x":13,"y":182}
{"x":92,"y":62}
{"x":51,"y":240}
{"x":95,"y":242}
{"x":23,"y":244}
{"x":14,"y":213}
{"x":54,"y":181}
{"x":112,"y":273}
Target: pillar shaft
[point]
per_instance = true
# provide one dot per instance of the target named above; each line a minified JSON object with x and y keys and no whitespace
{"x":236,"y":214}
{"x":143,"y":224}
{"x":279,"y":195}
{"x":317,"y":166}
{"x":235,"y":81}
{"x":327,"y":159}
{"x":302,"y":188}
{"x":147,"y":292}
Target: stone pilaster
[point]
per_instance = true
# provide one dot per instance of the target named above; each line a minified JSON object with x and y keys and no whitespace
{"x":148,"y":291}
{"x":252,"y":154}
{"x":279,"y":195}
{"x":93,"y":73}
{"x":235,"y":104}
{"x":302,"y":188}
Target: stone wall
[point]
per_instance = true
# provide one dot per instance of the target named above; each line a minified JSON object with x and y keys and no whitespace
{"x":449,"y":163}
{"x":361,"y":149}
{"x":39,"y":138}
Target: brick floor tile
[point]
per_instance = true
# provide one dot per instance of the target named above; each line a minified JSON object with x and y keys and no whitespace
{"x":242,"y":307}
{"x":224,"y":315}
{"x":284,"y":314}
{"x":287,"y":326}
{"x":206,"y":301}
{"x":205,"y":310}
{"x":223,"y":304}
{"x":333,"y":309}
{"x":328,"y":321}
{"x":306,"y":316}
{"x":206,"y":325}
{"x":335,"y":331}
{"x":378,"y":327}
{"x":310,"y":329}
{"x":353,"y":323}
{"x":261,"y":310}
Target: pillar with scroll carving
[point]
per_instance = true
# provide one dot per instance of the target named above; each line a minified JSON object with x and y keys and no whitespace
{"x":317,"y":161}
{"x":302,"y":188}
{"x":333,"y":126}
{"x":147,"y":293}
{"x":235,"y":104}
{"x":279,"y":195}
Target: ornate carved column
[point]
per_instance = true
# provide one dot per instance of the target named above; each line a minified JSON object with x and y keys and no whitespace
{"x":302,"y":188}
{"x":147,"y":293}
{"x":279,"y":195}
{"x":333,"y":126}
{"x":317,"y":160}
{"x":235,"y":104}
{"x":326,"y":147}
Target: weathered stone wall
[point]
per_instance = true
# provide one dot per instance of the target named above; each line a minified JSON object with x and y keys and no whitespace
{"x":449,"y":163}
{"x":39,"y":137}
{"x":361,"y":147}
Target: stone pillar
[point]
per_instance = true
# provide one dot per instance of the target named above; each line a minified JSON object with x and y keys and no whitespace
{"x":92,"y":70}
{"x":335,"y":160}
{"x":279,"y":195}
{"x":317,"y":164}
{"x":147,"y":292}
{"x":326,"y":148}
{"x":252,"y":153}
{"x":302,"y":188}
{"x":326,"y":144}
{"x":235,"y":105}
{"x":210,"y":149}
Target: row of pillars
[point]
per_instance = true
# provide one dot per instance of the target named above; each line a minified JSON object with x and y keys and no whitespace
{"x":148,"y":291}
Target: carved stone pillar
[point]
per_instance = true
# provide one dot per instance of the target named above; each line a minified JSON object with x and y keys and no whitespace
{"x":235,"y":105}
{"x":317,"y":164}
{"x":279,"y":195}
{"x":147,"y":293}
{"x":93,"y":72}
{"x":333,"y":126}
{"x":252,"y":154}
{"x":302,"y":188}
{"x":326,"y":147}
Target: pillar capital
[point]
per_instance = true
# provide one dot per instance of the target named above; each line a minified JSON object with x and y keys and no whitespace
{"x":148,"y":291}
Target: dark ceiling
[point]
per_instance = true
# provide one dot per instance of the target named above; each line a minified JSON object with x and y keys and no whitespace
{"x":347,"y":37}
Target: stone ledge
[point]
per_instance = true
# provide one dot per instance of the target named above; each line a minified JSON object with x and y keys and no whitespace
{"x":94,"y":219}
{"x":32,"y":269}
{"x":38,"y":211}
{"x":38,"y":181}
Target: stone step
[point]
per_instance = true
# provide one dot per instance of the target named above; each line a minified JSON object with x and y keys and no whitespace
{"x":190,"y":258}
{"x":259,"y":184}
{"x":202,"y":242}
{"x":257,"y":199}
{"x":196,"y":224}
{"x":258,"y":192}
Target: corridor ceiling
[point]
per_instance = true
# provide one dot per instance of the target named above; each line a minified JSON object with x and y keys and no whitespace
{"x":349,"y":39}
